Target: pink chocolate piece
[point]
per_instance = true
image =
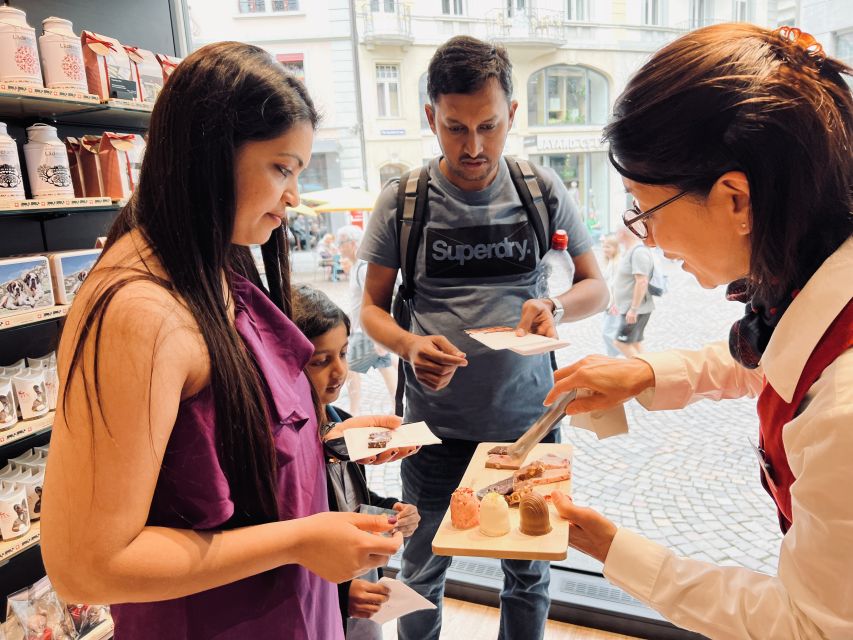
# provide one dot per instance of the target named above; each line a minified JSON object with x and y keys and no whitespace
{"x":464,"y":508}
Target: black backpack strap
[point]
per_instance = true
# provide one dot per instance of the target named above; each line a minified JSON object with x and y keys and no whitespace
{"x":412,"y":206}
{"x":411,"y":209}
{"x":532,"y":191}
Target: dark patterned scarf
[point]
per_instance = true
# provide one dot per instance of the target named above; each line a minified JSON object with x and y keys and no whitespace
{"x":750,"y":335}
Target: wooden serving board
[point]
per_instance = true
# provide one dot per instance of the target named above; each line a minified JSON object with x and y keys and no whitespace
{"x":450,"y":541}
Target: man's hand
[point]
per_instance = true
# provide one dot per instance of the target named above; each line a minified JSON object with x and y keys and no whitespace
{"x":537,"y":316}
{"x":434,"y":359}
{"x":631,"y":316}
{"x":366,"y":598}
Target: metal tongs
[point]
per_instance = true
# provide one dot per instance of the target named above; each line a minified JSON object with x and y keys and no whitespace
{"x":518,"y":450}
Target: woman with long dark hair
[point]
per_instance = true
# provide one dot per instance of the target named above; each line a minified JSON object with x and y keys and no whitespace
{"x":737,"y":145}
{"x":186,"y":479}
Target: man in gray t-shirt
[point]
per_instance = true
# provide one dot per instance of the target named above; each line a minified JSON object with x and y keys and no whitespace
{"x":477,"y":266}
{"x":631,"y":293}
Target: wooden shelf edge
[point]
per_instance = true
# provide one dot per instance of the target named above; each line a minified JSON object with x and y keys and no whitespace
{"x":26,"y":428}
{"x":34,"y":317}
{"x":56,"y":204}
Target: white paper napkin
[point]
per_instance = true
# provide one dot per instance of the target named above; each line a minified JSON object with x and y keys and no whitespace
{"x":402,"y":600}
{"x":407,"y":435}
{"x":531,"y":344}
{"x":610,"y":422}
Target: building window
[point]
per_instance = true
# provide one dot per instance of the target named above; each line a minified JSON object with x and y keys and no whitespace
{"x":844,"y":51}
{"x":294,"y":63}
{"x":563,"y":95}
{"x":263,"y":6}
{"x":384,"y":6}
{"x":586,"y":178}
{"x":652,"y":13}
{"x":741,"y":11}
{"x":516,"y":8}
{"x":700,"y":13}
{"x":423,"y":99}
{"x":577,"y":10}
{"x":452,"y":7}
{"x":390,"y":171}
{"x":388,"y":90}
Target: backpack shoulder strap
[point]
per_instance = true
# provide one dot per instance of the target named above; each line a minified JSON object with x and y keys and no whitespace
{"x":411,"y":211}
{"x":532,"y":191}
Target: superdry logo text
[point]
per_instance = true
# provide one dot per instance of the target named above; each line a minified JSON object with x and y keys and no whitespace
{"x":487,"y":251}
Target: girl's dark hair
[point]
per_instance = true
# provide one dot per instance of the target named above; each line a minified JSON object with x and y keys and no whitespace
{"x":741,"y":97}
{"x":463,"y":65}
{"x":220,"y":97}
{"x":314,"y":313}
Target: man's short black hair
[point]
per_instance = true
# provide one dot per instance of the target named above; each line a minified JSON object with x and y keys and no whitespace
{"x":463,"y":65}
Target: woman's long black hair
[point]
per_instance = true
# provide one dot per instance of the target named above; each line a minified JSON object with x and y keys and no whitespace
{"x":220,"y":97}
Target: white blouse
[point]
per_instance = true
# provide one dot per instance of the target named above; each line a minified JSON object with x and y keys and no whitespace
{"x":812,"y":594}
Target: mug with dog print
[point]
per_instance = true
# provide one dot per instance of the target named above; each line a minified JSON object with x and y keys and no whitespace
{"x":14,"y":512}
{"x":8,"y":406}
{"x":31,"y":393}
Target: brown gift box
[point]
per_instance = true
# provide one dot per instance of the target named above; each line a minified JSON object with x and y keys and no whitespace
{"x":147,"y":72}
{"x":109,"y":71}
{"x":120,"y":156}
{"x":85,"y":170}
{"x":167,"y":64}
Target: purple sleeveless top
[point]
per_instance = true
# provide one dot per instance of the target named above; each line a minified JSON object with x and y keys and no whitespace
{"x":192,"y":493}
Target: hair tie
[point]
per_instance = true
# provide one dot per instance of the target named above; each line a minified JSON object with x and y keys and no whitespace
{"x":804,"y":41}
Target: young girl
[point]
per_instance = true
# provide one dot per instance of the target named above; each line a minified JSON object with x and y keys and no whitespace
{"x":327,"y":327}
{"x":186,"y":481}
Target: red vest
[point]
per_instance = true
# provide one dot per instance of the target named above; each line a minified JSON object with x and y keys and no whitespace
{"x":774,"y":413}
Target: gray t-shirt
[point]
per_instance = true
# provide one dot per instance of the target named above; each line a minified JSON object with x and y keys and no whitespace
{"x":637,"y":261}
{"x":476,"y":265}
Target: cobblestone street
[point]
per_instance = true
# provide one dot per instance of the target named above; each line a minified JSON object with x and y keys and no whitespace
{"x":687,"y":479}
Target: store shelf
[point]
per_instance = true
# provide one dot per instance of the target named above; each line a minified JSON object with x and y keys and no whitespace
{"x":9,"y":549}
{"x":46,"y":209}
{"x":35,"y":316}
{"x":26,"y":428}
{"x":21,"y":101}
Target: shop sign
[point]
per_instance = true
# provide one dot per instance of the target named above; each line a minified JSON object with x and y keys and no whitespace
{"x":569,"y":143}
{"x":392,"y":132}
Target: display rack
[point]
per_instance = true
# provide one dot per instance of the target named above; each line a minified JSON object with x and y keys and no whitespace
{"x":26,"y":428}
{"x":11,"y":548}
{"x":22,"y":101}
{"x":36,"y":316}
{"x":45,"y":209}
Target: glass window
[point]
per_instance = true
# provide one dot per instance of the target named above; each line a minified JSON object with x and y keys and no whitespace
{"x":586,"y":178}
{"x":452,"y":7}
{"x":700,"y":13}
{"x":651,"y":13}
{"x":577,"y":10}
{"x":251,"y":6}
{"x":423,"y":98}
{"x":388,"y":90}
{"x":741,"y":11}
{"x":565,"y":95}
{"x":384,"y":6}
{"x":515,"y":7}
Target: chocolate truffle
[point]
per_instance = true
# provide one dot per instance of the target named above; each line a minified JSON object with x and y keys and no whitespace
{"x":535,"y":519}
{"x":464,"y":509}
{"x":494,"y":515}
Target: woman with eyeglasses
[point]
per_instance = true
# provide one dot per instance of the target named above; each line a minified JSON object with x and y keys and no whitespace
{"x":737,"y":145}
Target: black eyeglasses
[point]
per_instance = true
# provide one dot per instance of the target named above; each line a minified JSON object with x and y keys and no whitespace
{"x":635,"y":219}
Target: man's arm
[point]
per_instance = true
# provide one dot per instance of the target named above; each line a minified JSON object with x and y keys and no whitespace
{"x":589,"y":294}
{"x":433,"y":358}
{"x":641,"y":286}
